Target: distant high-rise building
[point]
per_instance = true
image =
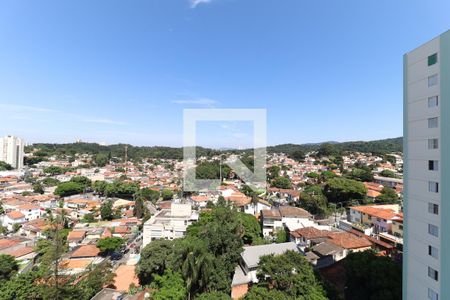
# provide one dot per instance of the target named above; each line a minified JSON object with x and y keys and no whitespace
{"x":426,"y":84}
{"x":11,"y":151}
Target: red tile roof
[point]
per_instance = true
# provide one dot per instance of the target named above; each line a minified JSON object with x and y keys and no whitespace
{"x":85,"y":251}
{"x":15,"y":215}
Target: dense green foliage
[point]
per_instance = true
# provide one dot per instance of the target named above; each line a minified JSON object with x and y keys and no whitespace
{"x":154,"y":260}
{"x":344,"y":190}
{"x":205,"y":258}
{"x":8,"y":267}
{"x":388,"y":173}
{"x":372,"y":277}
{"x":286,"y":276}
{"x":65,"y":189}
{"x":282,"y":183}
{"x":109,"y":245}
{"x":388,"y":195}
{"x":134,"y":153}
{"x":168,"y":286}
{"x":376,"y":147}
{"x":106,"y":211}
{"x":5,"y":166}
{"x":313,"y":200}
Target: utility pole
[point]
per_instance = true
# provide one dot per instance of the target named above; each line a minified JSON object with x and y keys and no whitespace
{"x":126,"y":158}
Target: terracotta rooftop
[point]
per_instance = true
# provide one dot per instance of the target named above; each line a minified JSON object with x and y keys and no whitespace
{"x":382,"y":213}
{"x":75,"y":263}
{"x":76,"y":235}
{"x":310,"y":233}
{"x":20,"y":252}
{"x":85,"y":251}
{"x":28,"y":207}
{"x":348,"y":241}
{"x":125,"y":275}
{"x":15,"y":215}
{"x":293,"y":212}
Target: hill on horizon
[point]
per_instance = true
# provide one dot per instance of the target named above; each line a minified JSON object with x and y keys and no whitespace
{"x":134,"y":152}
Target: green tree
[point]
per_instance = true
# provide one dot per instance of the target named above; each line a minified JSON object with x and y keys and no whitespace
{"x":101,"y":160}
{"x":261,"y":293}
{"x":99,"y":187}
{"x":106,"y":211}
{"x":372,"y":277}
{"x":109,"y":245}
{"x":213,"y":296}
{"x":282,"y":183}
{"x":362,"y":174}
{"x":313,"y":200}
{"x":281,"y":236}
{"x":167,"y":194}
{"x":139,"y":208}
{"x":38,"y":188}
{"x":344,"y":190}
{"x":388,"y":173}
{"x":327,"y":149}
{"x":68,"y":188}
{"x":291,"y":274}
{"x":8,"y":267}
{"x":82,"y":180}
{"x":53,"y":170}
{"x":388,"y":195}
{"x":273,"y":172}
{"x":169,"y":286}
{"x":154,"y":260}
{"x":89,"y":218}
{"x":298,"y":155}
{"x":5,"y":166}
{"x":251,"y":226}
{"x":149,"y":194}
{"x":49,"y":181}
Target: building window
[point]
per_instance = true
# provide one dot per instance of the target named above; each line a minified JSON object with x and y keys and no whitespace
{"x":432,"y":295}
{"x":432,"y":80}
{"x":433,"y":101}
{"x":433,"y":274}
{"x":433,"y":251}
{"x":433,"y":208}
{"x":432,"y":59}
{"x":433,"y":122}
{"x":433,"y":187}
{"x":433,"y":230}
{"x":433,"y":144}
{"x":433,"y":165}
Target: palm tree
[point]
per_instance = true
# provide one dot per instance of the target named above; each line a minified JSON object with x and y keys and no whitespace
{"x":196,"y":267}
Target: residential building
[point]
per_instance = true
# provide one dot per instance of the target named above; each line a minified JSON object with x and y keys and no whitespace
{"x":12,"y":150}
{"x":170,"y":223}
{"x":427,"y":170}
{"x":284,"y":217}
{"x":245,"y":272}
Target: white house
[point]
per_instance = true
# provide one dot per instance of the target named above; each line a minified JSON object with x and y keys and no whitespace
{"x":285,"y":216}
{"x":169,"y":223}
{"x":11,"y":218}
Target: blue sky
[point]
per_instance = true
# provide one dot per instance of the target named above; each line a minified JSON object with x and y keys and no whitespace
{"x":123,"y":71}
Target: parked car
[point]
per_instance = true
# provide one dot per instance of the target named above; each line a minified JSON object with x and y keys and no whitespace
{"x":116,"y":256}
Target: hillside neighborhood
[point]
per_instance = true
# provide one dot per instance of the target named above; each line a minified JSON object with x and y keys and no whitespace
{"x":67,"y":217}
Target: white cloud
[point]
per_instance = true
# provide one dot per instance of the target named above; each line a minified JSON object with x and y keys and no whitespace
{"x":26,"y":108}
{"x":194,"y":3}
{"x":104,"y":121}
{"x":202,"y":101}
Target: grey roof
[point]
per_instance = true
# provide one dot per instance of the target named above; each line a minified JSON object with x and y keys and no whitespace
{"x":311,"y":256}
{"x":240,"y":277}
{"x":252,"y":254}
{"x":324,"y":249}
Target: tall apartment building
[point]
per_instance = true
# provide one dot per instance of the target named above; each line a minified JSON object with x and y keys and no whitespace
{"x":427,"y":171}
{"x":11,"y":151}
